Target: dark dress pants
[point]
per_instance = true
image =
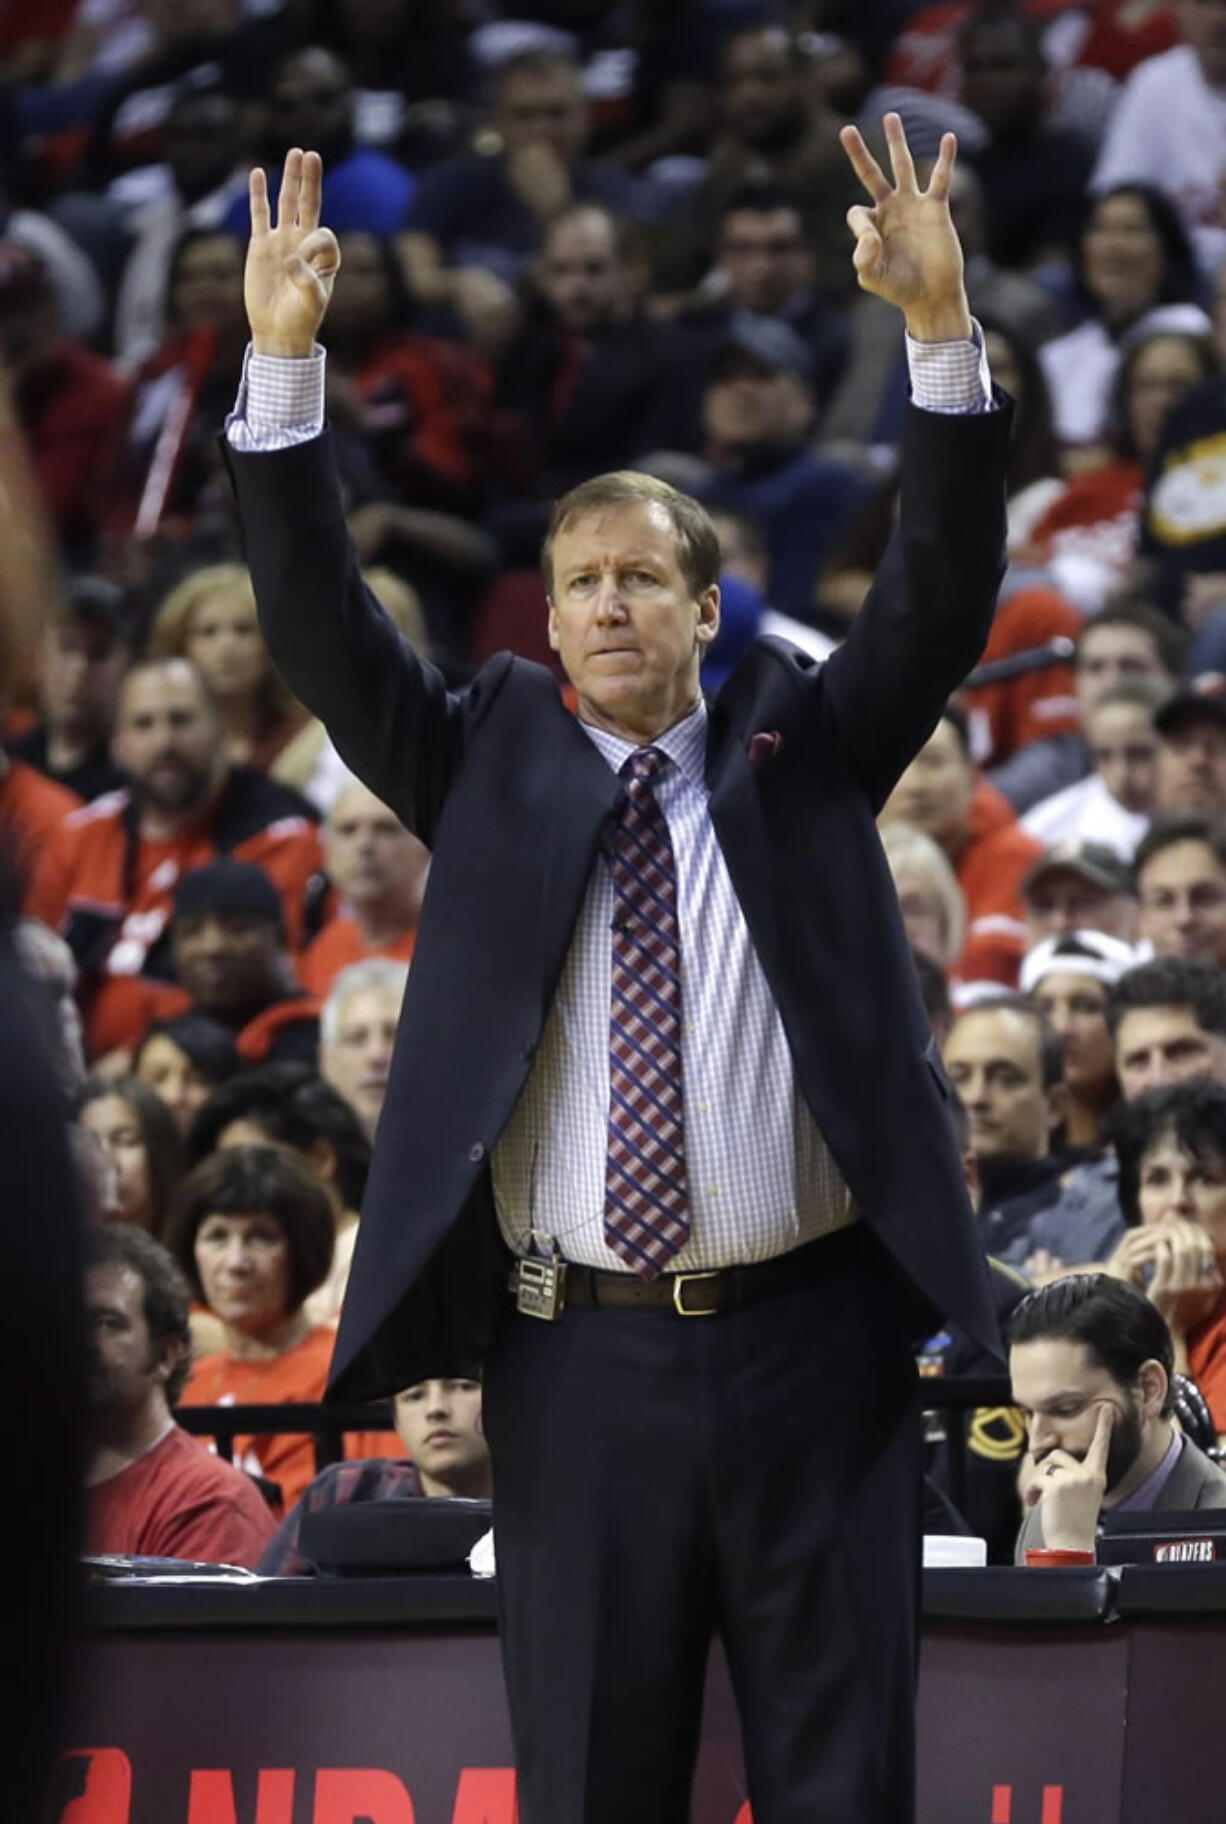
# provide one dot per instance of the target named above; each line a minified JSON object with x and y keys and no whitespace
{"x":659,"y":1479}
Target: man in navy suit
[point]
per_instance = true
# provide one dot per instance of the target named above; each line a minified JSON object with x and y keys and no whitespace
{"x":666,"y":1138}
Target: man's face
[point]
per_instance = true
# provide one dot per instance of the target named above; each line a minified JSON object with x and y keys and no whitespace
{"x":439,"y":1423}
{"x":765,"y":256}
{"x":762,"y":94}
{"x":369,"y":855}
{"x":202,"y":143}
{"x":580,"y":273}
{"x":123,"y":1370}
{"x":83,"y":665}
{"x":1123,"y":744}
{"x":207,"y":291}
{"x":230,"y":963}
{"x":1075,"y":1006}
{"x":746,"y":406}
{"x":312,"y":103}
{"x":1183,"y":902}
{"x":542,"y":107}
{"x":1062,"y":900}
{"x":1060,"y":1387}
{"x":358,"y":1059}
{"x":1114,"y":654}
{"x":361,"y":302}
{"x":1192,"y":767}
{"x":1158,"y":1046}
{"x":994,"y":1062}
{"x":935,"y":792}
{"x":625,"y":621}
{"x":1203,"y":26}
{"x":166,"y":737}
{"x":1002,"y":80}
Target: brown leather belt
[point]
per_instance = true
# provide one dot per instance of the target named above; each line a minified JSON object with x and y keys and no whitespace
{"x":688,"y":1294}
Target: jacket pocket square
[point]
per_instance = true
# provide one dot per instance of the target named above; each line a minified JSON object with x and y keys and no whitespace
{"x":763,"y":748}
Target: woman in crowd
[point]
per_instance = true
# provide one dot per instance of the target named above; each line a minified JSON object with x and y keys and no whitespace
{"x":288,"y":1106}
{"x":183,"y":1061}
{"x":1087,"y":535}
{"x":933,"y":909}
{"x":253,"y":1232}
{"x":210,"y":618}
{"x":138,"y":1136}
{"x":1135,"y":272}
{"x":1171,"y":1145}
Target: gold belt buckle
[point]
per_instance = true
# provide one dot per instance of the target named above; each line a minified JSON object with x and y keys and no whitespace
{"x":681,"y":1280}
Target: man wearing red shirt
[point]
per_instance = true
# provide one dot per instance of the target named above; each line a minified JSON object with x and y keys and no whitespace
{"x":108,"y":879}
{"x":379,"y":870}
{"x":153,"y":1491}
{"x":70,"y":403}
{"x":32,"y":811}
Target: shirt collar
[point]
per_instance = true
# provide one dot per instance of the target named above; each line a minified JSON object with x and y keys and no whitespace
{"x":685,"y":743}
{"x":1144,"y":1497}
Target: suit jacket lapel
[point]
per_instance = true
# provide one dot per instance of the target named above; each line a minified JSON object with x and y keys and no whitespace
{"x":586,"y":792}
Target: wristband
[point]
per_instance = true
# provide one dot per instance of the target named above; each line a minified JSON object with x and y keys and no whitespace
{"x":1052,"y":1557}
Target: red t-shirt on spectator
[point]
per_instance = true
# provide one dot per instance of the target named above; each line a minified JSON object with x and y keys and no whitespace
{"x":111,"y":891}
{"x":1038,"y":704}
{"x":298,"y":1374}
{"x":32,"y":808}
{"x":71,"y":410}
{"x":1207,"y":1363}
{"x":990,"y":871}
{"x":180,"y":1501}
{"x":338,"y":945}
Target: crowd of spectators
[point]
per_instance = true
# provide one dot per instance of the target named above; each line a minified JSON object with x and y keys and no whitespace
{"x":607,"y":235}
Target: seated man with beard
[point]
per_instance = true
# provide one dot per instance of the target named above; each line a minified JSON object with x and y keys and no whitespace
{"x":1091,"y":1361}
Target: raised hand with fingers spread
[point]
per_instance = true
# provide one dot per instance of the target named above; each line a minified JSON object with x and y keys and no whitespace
{"x":907,"y":250}
{"x":290,"y":268}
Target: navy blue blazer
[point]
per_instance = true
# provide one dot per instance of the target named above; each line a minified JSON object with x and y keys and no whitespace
{"x":511,"y":796}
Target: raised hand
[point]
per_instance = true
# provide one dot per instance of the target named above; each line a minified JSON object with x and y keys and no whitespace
{"x":1071,"y":1491}
{"x":906,"y":249}
{"x":290,"y":268}
{"x":1186,"y":1284}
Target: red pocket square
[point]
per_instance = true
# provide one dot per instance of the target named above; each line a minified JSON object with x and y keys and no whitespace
{"x":763,"y":748}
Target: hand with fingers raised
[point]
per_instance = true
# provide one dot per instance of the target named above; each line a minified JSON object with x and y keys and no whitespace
{"x":290,"y":268}
{"x":907,"y":250}
{"x":1071,"y":1489}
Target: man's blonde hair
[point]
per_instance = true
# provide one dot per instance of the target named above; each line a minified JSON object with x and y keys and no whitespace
{"x":698,"y":550}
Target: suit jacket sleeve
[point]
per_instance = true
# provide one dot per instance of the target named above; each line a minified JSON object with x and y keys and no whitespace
{"x":927,"y":617}
{"x":392,"y":719}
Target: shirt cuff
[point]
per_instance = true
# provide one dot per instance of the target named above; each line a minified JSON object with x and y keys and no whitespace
{"x":280,"y":401}
{"x":950,"y":376}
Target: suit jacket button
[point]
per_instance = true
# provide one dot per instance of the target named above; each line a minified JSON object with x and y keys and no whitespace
{"x":476,"y":1153}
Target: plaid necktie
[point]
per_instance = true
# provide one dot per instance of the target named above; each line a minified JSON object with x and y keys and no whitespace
{"x":646,"y":1212}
